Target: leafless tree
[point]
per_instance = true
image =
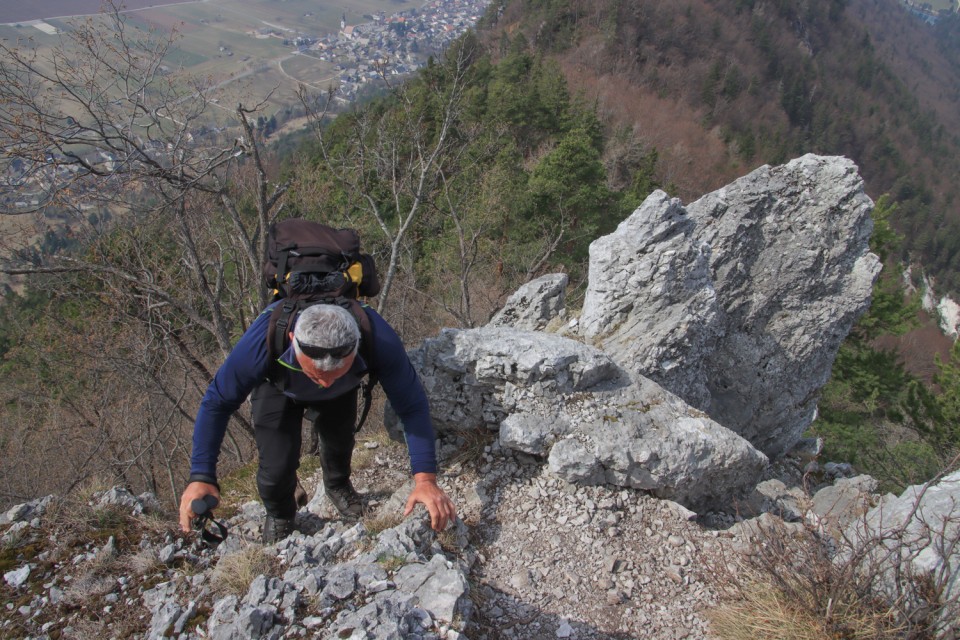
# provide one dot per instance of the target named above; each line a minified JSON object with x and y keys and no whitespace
{"x":392,"y":168}
{"x":101,"y":128}
{"x":101,"y":123}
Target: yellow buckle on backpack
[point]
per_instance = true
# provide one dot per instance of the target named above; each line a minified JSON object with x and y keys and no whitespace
{"x":355,"y":273}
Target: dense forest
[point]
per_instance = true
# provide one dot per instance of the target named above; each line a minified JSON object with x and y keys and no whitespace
{"x":500,"y":161}
{"x":717,"y":87}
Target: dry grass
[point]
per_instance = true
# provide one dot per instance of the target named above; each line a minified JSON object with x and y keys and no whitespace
{"x":120,"y":622}
{"x":791,"y":585}
{"x":471,"y":443}
{"x":391,"y":564}
{"x":89,"y":586}
{"x":142,"y":562}
{"x":377,"y":524}
{"x":765,"y":611}
{"x":448,"y":540}
{"x":763,"y":614}
{"x":74,"y":521}
{"x":237,"y":487}
{"x":234,"y":573}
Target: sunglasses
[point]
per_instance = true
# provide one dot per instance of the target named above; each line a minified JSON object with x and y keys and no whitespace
{"x":317,"y":353}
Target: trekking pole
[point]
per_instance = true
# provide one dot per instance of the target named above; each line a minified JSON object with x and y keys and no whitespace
{"x":212,"y":532}
{"x":207,"y":503}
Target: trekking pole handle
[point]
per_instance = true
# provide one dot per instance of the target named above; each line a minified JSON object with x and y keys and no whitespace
{"x":200,"y":506}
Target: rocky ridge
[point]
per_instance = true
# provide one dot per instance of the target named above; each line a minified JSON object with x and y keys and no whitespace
{"x":534,"y":557}
{"x":595,"y":502}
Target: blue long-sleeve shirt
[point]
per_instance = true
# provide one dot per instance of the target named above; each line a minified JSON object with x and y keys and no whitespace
{"x":247,"y":366}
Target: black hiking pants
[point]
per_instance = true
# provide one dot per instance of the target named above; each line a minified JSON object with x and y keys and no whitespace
{"x":277,"y":422}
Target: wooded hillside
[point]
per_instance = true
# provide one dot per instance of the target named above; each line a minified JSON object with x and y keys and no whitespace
{"x":718,"y":87}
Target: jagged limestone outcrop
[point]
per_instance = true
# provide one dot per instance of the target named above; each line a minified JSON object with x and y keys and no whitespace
{"x":650,"y":301}
{"x":911,"y":542}
{"x":792,"y":269}
{"x":738,"y":302}
{"x":535,"y":304}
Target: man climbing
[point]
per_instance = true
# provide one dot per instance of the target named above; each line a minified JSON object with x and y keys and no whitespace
{"x":320,"y":369}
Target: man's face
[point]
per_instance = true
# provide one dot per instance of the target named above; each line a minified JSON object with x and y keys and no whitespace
{"x":323,"y":378}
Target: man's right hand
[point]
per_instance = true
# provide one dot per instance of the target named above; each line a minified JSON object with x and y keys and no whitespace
{"x":194,"y":491}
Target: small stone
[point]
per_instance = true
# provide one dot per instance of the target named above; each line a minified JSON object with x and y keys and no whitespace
{"x":17,"y":577}
{"x":676,"y":541}
{"x":166,"y":555}
{"x":520,"y":580}
{"x":380,"y":585}
{"x":564,"y":630}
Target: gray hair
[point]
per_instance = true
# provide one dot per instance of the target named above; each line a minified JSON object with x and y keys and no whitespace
{"x":328,"y":326}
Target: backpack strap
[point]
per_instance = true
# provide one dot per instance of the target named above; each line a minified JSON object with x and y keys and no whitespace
{"x":282,"y":257}
{"x":278,"y":339}
{"x":366,"y":352}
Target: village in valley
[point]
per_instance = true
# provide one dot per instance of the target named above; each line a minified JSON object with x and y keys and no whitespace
{"x":397,"y":44}
{"x":349,"y":59}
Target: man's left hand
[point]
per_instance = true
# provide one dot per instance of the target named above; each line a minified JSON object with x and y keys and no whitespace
{"x":430,"y":495}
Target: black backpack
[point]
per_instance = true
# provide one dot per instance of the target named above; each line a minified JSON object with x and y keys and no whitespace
{"x":310,"y":263}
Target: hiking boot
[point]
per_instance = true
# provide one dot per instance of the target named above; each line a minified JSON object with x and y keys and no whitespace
{"x":276,"y":529}
{"x":346,"y":501}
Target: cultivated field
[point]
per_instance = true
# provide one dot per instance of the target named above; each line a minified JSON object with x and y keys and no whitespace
{"x":237,"y":45}
{"x":11,"y":12}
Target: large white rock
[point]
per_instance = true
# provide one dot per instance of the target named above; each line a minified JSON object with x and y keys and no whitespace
{"x":738,"y":303}
{"x":595,"y":422}
{"x":792,"y":270}
{"x":650,"y":302}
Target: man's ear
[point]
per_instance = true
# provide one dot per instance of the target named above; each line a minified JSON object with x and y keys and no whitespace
{"x":290,"y":333}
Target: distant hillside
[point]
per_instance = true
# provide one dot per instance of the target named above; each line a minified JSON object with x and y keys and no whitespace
{"x":718,"y":87}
